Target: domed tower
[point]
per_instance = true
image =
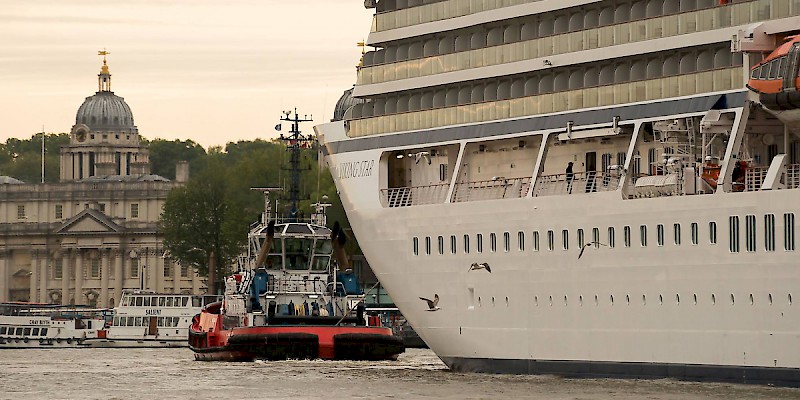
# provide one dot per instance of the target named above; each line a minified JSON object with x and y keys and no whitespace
{"x":104,"y":140}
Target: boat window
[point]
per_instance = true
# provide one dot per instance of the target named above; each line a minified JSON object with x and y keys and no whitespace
{"x":26,"y":332}
{"x":440,"y":242}
{"x":35,"y":332}
{"x":535,"y":240}
{"x":506,"y":242}
{"x":416,"y":246}
{"x":493,"y":241}
{"x":427,"y":245}
{"x":479,"y":239}
{"x":453,"y":244}
{"x":643,"y":235}
{"x":755,"y":73}
{"x":565,"y":239}
{"x":676,"y":231}
{"x":44,"y":331}
{"x":139,"y":301}
{"x":781,"y":67}
{"x":298,"y":252}
{"x":160,"y":322}
{"x":185,"y":302}
{"x":788,"y":231}
{"x":169,"y":302}
{"x":660,"y":234}
{"x":162,"y":301}
{"x":750,"y":232}
{"x":521,"y":240}
{"x":551,"y":240}
{"x":2,"y":330}
{"x":323,"y":246}
{"x":147,"y":301}
{"x":581,"y":240}
{"x":773,"y":68}
{"x":130,"y":321}
{"x":596,"y":237}
{"x":712,"y":232}
{"x":125,"y":301}
{"x":197,"y":302}
{"x":769,"y":232}
{"x":695,"y":233}
{"x":19,"y":331}
{"x":320,"y":263}
{"x":612,"y":237}
{"x":275,"y":256}
{"x":137,"y":321}
{"x":733,"y":233}
{"x":764,"y":71}
{"x":466,"y":244}
{"x":626,"y":233}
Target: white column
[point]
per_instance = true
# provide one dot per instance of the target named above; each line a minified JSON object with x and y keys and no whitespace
{"x":105,"y":271}
{"x":176,"y":276}
{"x":4,"y":276}
{"x":44,"y":261}
{"x":33,"y":280}
{"x":119,"y":278}
{"x":65,"y":277}
{"x":79,"y":299}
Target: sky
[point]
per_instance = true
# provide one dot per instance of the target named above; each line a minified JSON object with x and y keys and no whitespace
{"x":207,"y":70}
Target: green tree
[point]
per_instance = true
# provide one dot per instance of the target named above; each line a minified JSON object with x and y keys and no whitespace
{"x":165,"y":154}
{"x":22,"y":158}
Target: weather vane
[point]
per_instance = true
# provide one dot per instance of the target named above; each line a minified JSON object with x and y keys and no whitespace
{"x":103,"y":53}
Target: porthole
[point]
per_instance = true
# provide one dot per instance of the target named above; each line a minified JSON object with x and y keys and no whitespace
{"x":580,"y":301}
{"x":644,"y":300}
{"x":660,"y":299}
{"x":492,"y":301}
{"x":694,"y":297}
{"x":628,"y":299}
{"x":565,"y":301}
{"x":751,"y":299}
{"x":677,"y":298}
{"x":479,"y":301}
{"x":770,"y":298}
{"x":612,"y":299}
{"x":790,"y":299}
{"x":536,"y":301}
{"x":551,"y":301}
{"x":713,"y":299}
{"x":506,"y":301}
{"x":733,"y":300}
{"x":595,"y":301}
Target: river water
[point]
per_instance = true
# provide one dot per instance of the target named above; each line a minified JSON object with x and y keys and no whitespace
{"x":418,"y":374}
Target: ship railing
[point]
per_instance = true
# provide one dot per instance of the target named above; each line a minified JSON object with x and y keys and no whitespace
{"x":580,"y":182}
{"x":754,"y":177}
{"x":793,"y":176}
{"x":295,"y":284}
{"x":493,"y":189}
{"x":414,"y":195}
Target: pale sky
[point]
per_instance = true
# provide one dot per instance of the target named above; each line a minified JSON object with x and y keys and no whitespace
{"x":213,"y":71}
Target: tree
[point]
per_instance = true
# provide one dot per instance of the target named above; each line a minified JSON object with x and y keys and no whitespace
{"x":165,"y":154}
{"x":22,"y":159}
{"x":200,"y":226}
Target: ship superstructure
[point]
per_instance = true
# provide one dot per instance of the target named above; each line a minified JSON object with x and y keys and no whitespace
{"x":629,"y":203}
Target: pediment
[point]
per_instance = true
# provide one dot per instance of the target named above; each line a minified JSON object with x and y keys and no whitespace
{"x":89,"y":222}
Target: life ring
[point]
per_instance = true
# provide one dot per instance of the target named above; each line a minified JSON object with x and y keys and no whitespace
{"x":58,"y":340}
{"x":41,"y":341}
{"x":25,"y":340}
{"x":69,"y":341}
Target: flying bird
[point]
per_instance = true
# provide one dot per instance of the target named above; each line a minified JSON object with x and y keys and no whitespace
{"x":588,"y":245}
{"x":484,"y":265}
{"x":432,"y":304}
{"x":422,"y":155}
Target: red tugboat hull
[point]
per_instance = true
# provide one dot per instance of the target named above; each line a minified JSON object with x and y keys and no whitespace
{"x":282,"y":342}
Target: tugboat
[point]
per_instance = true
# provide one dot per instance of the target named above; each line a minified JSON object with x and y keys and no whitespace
{"x":291,"y":301}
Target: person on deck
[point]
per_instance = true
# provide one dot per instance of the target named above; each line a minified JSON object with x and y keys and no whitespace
{"x":570,"y":177}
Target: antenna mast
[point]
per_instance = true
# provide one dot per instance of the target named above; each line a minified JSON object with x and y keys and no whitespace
{"x":295,"y":141}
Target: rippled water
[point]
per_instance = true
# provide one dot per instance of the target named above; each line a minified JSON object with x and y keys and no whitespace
{"x":418,"y":374}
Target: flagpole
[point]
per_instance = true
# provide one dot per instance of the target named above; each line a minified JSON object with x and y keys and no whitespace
{"x":42,"y":153}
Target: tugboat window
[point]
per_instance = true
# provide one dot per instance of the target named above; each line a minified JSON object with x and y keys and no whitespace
{"x":298,"y":252}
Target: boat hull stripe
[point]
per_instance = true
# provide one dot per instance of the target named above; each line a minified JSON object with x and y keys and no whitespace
{"x":629,"y":370}
{"x":539,"y":123}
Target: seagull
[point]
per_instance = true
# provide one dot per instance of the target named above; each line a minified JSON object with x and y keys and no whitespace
{"x":432,"y":303}
{"x":485,"y":266}
{"x":423,"y":155}
{"x":588,"y":245}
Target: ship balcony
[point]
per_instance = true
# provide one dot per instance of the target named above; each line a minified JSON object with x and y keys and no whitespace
{"x":414,"y":195}
{"x":754,"y":178}
{"x":581,"y":182}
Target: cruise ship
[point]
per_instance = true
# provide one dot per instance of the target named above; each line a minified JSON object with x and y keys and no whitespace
{"x":588,"y":187}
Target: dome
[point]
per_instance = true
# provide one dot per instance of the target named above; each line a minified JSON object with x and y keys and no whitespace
{"x":107,"y":112}
{"x":346,"y":101}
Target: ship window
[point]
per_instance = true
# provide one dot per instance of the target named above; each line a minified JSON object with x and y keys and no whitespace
{"x":773,"y":68}
{"x":643,"y":235}
{"x":466,"y":244}
{"x":626,"y":233}
{"x":506,"y":242}
{"x":755,"y":73}
{"x":612,"y":237}
{"x":139,"y":301}
{"x":676,"y":228}
{"x":763,"y":71}
{"x":521,"y":240}
{"x":733,"y":233}
{"x":44,"y":330}
{"x":565,"y":239}
{"x":3,"y":330}
{"x":596,"y":237}
{"x":162,"y":301}
{"x":695,"y":233}
{"x":479,"y":239}
{"x":788,"y":231}
{"x":19,"y":332}
{"x":160,"y":321}
{"x":769,"y":232}
{"x":535,"y":240}
{"x":427,"y":245}
{"x":750,"y":230}
{"x":169,"y":302}
{"x":550,"y":240}
{"x":146,"y":302}
{"x":35,"y":332}
{"x":26,"y":332}
{"x":493,"y":241}
{"x":137,"y":321}
{"x":416,"y":246}
{"x":298,"y":253}
{"x":452,"y":244}
{"x":660,"y":234}
{"x":440,"y":242}
{"x":712,"y":232}
{"x":185,"y":302}
{"x":781,"y":67}
{"x":581,"y":240}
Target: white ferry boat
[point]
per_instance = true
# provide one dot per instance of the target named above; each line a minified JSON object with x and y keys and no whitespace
{"x":29,"y":325}
{"x":586,"y":186}
{"x":149,"y":319}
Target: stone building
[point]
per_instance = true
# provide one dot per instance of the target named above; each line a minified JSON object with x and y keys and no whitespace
{"x":93,"y":234}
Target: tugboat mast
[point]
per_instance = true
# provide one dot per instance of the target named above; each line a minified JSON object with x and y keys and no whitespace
{"x":295,"y":142}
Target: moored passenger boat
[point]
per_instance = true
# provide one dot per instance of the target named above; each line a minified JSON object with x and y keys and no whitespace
{"x":588,"y":187}
{"x":33,"y":325}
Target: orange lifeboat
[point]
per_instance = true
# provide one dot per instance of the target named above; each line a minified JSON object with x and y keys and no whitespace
{"x":776,"y":80}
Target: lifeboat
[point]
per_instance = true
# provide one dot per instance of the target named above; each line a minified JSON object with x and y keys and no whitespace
{"x":776,"y":81}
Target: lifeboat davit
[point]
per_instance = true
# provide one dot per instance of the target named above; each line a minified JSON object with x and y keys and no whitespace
{"x":776,"y":81}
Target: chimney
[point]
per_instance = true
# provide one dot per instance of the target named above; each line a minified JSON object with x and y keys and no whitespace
{"x":182,"y":172}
